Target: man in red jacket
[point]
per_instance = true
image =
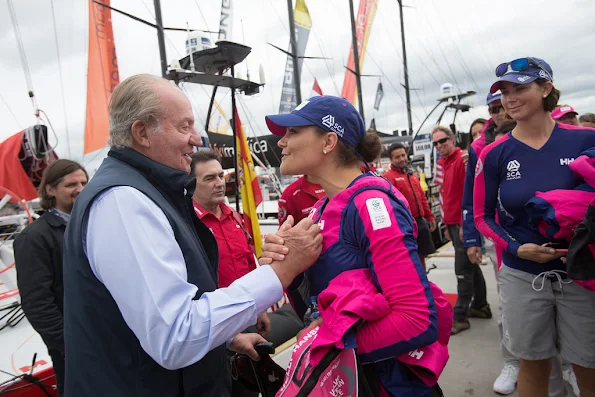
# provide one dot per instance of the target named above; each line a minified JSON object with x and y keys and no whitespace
{"x":298,"y":199}
{"x":471,"y":287}
{"x":403,"y":178}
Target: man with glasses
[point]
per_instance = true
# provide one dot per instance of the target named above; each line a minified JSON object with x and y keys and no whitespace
{"x":471,"y":287}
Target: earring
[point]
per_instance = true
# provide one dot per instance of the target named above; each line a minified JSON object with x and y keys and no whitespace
{"x":324,"y":151}
{"x":545,"y":96}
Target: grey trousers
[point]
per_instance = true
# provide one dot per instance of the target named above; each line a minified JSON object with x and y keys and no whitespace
{"x":557,"y":387}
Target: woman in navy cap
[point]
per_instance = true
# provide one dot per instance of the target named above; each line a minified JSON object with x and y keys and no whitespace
{"x":366,"y":224}
{"x":543,"y":312}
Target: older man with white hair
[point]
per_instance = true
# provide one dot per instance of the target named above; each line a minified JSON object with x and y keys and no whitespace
{"x":143,"y":315}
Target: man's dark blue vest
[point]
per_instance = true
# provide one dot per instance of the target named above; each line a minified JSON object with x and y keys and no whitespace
{"x":103,"y":356}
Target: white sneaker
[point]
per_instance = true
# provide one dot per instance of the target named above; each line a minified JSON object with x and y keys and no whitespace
{"x":506,"y":382}
{"x":570,"y":377}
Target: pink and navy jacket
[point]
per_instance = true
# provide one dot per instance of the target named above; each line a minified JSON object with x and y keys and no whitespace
{"x":509,"y":173}
{"x":351,"y":297}
{"x":558,"y":212}
{"x":369,"y":226}
{"x":471,"y":236}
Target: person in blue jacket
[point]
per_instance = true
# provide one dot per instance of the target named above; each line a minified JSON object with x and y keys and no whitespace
{"x":544,"y":313}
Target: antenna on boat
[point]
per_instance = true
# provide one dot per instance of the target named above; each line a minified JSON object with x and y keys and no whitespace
{"x":244,"y":42}
{"x":190,"y":51}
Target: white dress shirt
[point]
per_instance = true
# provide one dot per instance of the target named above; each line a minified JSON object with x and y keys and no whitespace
{"x":132,"y":250}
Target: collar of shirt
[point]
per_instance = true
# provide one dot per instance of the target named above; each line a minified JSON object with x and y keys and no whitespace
{"x":313,"y":189}
{"x":201,"y":212}
{"x":63,"y":215}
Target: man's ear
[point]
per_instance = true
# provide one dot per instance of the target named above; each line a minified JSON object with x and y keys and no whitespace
{"x":140,"y":134}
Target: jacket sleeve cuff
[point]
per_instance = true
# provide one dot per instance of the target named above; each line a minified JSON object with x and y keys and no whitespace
{"x":513,"y":248}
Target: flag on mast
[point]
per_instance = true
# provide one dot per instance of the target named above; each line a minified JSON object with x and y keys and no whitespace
{"x":363,"y":27}
{"x":316,"y":90}
{"x":303,"y":24}
{"x":102,"y":74}
{"x":379,"y":96}
{"x":249,"y":187}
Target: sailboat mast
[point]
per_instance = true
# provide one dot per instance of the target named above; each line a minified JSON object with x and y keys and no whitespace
{"x":293,"y":42}
{"x":160,"y":38}
{"x":358,"y":80}
{"x":407,"y":96}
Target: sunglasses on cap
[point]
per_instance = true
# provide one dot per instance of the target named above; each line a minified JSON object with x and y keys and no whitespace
{"x":495,"y":109}
{"x":441,"y":141}
{"x":518,"y":65}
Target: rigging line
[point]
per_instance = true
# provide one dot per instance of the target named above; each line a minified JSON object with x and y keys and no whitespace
{"x":463,"y":62}
{"x":369,"y":54}
{"x":10,"y":111}
{"x":488,"y":68}
{"x":151,"y":12}
{"x":201,"y":118}
{"x":22,"y":54}
{"x":328,"y":69}
{"x":97,"y":154}
{"x":61,"y":80}
{"x":437,"y":40}
{"x":287,"y":30}
{"x":401,"y":59}
{"x":258,"y":138}
{"x":204,"y":20}
{"x":431,"y":56}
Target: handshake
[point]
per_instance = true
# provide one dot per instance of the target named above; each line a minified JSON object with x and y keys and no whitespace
{"x":292,"y":250}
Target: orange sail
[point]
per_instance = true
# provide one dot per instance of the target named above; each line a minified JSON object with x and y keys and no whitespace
{"x":249,"y":187}
{"x":102,"y":75}
{"x":363,"y":27}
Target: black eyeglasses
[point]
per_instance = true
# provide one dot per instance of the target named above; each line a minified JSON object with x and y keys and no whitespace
{"x":495,"y":109}
{"x":441,"y":141}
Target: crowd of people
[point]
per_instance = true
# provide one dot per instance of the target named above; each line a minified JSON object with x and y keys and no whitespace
{"x":142,"y":281}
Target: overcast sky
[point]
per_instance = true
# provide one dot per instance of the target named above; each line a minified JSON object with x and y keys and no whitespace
{"x":454,"y":41}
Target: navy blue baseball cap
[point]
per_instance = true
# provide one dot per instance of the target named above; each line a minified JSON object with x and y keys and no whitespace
{"x":331,"y":113}
{"x":522,"y":71}
{"x":493,"y":97}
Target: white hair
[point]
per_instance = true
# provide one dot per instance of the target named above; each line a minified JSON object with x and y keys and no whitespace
{"x":133,"y":99}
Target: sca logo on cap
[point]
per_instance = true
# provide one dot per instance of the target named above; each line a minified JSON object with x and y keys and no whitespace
{"x":329,"y":122}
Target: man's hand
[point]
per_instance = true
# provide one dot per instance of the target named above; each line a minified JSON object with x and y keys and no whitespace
{"x":432,"y":226}
{"x":304,"y":244}
{"x":465,"y":158}
{"x":263,"y":324}
{"x":537,"y":253}
{"x":273,"y":248}
{"x":474,"y":254}
{"x":461,"y":233}
{"x":244,"y":344}
{"x":447,"y":233}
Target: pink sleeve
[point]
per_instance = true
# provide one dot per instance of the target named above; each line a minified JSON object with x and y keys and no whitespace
{"x":384,"y":229}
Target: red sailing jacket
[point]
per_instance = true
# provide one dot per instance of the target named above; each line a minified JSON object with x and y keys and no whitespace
{"x":410,"y":187}
{"x":298,"y":199}
{"x":452,"y":187}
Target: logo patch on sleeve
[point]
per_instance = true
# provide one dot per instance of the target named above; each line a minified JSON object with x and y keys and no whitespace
{"x":379,"y":216}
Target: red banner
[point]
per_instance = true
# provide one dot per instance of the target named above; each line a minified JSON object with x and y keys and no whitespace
{"x":102,"y":75}
{"x":363,"y":26}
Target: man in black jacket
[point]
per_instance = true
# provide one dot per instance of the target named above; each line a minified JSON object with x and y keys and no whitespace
{"x":38,"y":258}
